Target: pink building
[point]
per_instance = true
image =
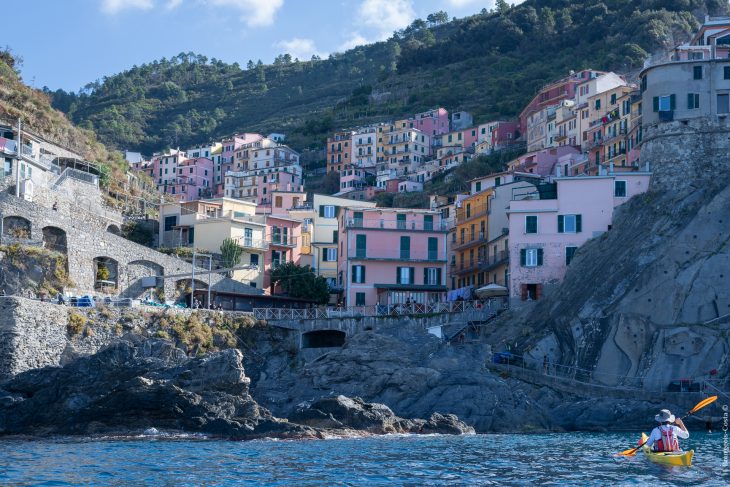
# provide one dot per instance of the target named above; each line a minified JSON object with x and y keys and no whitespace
{"x":546,"y":228}
{"x":281,"y":202}
{"x":391,"y":256}
{"x":232,"y":148}
{"x":194,"y":180}
{"x":432,"y":122}
{"x":541,"y":162}
{"x":352,"y":177}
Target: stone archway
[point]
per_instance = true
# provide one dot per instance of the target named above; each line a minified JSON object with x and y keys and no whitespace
{"x":54,"y":238}
{"x":323,"y":339}
{"x":106,"y":274}
{"x":114,"y":229}
{"x":184,"y":288}
{"x":17,"y":227}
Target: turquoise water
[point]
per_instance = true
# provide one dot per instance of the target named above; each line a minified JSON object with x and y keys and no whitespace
{"x":558,"y":459}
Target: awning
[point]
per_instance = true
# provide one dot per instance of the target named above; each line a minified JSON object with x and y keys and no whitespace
{"x":491,"y":291}
{"x":412,"y":287}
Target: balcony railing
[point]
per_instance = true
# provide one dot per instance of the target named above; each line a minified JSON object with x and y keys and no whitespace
{"x":250,"y":243}
{"x":411,"y":225}
{"x":430,"y":256}
{"x":283,"y":240}
{"x":462,"y":215}
{"x":469,"y":242}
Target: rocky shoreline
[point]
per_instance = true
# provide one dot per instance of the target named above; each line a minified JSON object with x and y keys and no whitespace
{"x":141,"y":385}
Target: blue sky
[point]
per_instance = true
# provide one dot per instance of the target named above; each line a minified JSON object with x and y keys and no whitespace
{"x":68,"y":43}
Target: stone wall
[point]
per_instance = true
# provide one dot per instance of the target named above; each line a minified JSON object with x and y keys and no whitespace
{"x":32,"y":335}
{"x":87,"y":238}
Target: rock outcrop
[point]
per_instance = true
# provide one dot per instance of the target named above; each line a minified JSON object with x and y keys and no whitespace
{"x":150,"y":385}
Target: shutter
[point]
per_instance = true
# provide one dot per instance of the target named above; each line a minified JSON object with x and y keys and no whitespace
{"x":538,"y":291}
{"x":364,"y":279}
{"x":523,"y":292}
{"x":321,"y":207}
{"x":412,"y":275}
{"x":539,"y":256}
{"x":425,"y":275}
{"x":656,"y":103}
{"x":335,"y":236}
{"x":438,"y":276}
{"x":690,"y":100}
{"x":561,"y":223}
{"x":523,"y":257}
{"x":354,"y":276}
{"x":672,"y":102}
{"x":397,"y":275}
{"x":578,"y":223}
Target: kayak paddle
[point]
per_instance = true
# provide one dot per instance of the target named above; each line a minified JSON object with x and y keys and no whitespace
{"x":700,"y":405}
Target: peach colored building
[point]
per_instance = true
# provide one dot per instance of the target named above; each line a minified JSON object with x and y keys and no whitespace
{"x":391,"y":256}
{"x":546,"y":228}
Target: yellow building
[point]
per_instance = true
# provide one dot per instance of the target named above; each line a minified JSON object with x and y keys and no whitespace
{"x":324,"y":233}
{"x":607,"y":127}
{"x":469,"y":242}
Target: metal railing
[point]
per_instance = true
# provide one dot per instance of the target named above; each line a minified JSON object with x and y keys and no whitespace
{"x":411,"y":309}
{"x":411,"y":225}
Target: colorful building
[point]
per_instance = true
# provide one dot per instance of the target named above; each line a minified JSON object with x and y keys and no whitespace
{"x":546,"y":228}
{"x":339,"y":151}
{"x":433,"y":122}
{"x":471,"y":237}
{"x":391,"y":256}
{"x":194,"y":180}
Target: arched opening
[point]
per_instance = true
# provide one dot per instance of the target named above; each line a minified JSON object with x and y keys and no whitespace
{"x":114,"y":229}
{"x":54,"y":239}
{"x":106,"y":274}
{"x":323,"y":339}
{"x":184,"y":288}
{"x":16,"y":227}
{"x":143,"y":281}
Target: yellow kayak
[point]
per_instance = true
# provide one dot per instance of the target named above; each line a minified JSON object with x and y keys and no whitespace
{"x":677,"y":459}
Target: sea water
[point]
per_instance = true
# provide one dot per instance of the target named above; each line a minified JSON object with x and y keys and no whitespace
{"x":557,"y":459}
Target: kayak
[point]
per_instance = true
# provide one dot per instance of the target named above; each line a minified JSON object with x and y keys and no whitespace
{"x":677,"y":459}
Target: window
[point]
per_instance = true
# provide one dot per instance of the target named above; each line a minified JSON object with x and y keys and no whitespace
{"x":664,"y":103}
{"x":428,"y":222}
{"x":693,"y":101}
{"x":468,"y":210}
{"x":8,"y":169}
{"x":598,"y":104}
{"x":357,"y":219}
{"x":170,"y":221}
{"x":723,"y":105}
{"x":569,"y":253}
{"x":254,"y":260}
{"x":697,"y":72}
{"x":478,"y":187}
{"x":613,"y":98}
{"x":327,"y":211}
{"x":531,"y":257}
{"x":358,"y":274}
{"x":531,"y":224}
{"x":570,"y":223}
{"x":433,"y":248}
{"x":619,"y":189}
{"x":404,"y":275}
{"x":432,"y":276}
{"x":726,"y":72}
{"x":329,"y":255}
{"x":361,"y":246}
{"x":359,"y":299}
{"x":405,"y":247}
{"x":278,"y":202}
{"x":401,"y":221}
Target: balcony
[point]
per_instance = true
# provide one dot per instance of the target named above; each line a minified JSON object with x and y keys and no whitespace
{"x":400,"y":256}
{"x":476,"y":211}
{"x":409,"y":226}
{"x":279,"y":240}
{"x":666,"y":116}
{"x":466,"y":243}
{"x":253,"y":244}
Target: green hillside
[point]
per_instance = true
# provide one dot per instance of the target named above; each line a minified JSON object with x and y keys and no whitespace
{"x":490,"y":64}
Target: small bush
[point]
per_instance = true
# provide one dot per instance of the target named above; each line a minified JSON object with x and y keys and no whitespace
{"x":105,"y":313}
{"x":76,"y":323}
{"x":163,"y":334}
{"x":88,"y":332}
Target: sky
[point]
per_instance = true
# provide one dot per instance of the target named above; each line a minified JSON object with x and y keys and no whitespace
{"x":69,"y":43}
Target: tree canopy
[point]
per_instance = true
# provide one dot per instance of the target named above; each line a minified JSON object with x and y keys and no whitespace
{"x":301,"y":282}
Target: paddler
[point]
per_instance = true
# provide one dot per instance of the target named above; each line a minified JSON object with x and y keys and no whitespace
{"x":665,"y":437}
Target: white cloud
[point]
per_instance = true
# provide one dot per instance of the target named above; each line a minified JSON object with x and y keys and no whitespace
{"x":112,"y":7}
{"x":356,"y":39}
{"x":299,"y":48}
{"x":254,"y":13}
{"x":172,"y":4}
{"x":386,"y":15}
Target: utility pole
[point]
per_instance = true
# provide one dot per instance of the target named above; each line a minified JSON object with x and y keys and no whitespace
{"x":192,"y":281}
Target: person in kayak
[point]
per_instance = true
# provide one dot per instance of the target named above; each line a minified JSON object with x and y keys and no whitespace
{"x":665,"y":437}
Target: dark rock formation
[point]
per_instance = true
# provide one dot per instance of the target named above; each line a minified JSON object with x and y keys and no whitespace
{"x":344,"y":412}
{"x":132,"y":387}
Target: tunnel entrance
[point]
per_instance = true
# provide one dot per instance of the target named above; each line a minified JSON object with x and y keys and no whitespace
{"x":323,"y":339}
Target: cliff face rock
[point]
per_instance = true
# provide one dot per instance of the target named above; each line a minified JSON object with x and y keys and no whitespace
{"x":415,"y":374}
{"x":132,"y":387}
{"x":637,"y":301}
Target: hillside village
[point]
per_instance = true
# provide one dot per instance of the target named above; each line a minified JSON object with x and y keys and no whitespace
{"x":513,"y":235}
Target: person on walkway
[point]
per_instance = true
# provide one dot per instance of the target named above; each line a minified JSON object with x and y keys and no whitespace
{"x":665,"y":437}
